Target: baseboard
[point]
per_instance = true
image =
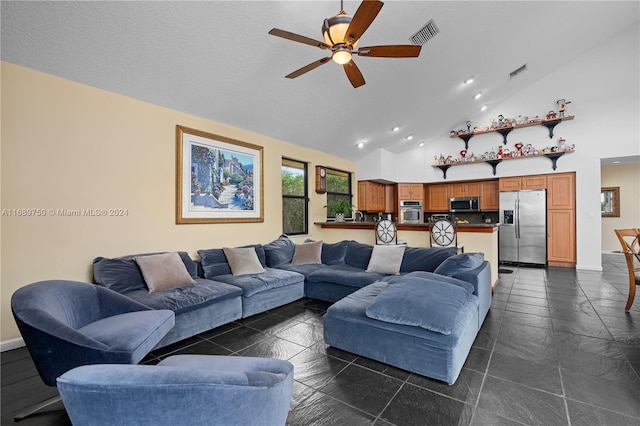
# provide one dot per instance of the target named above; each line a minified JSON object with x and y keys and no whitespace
{"x":8,"y":345}
{"x":589,"y":268}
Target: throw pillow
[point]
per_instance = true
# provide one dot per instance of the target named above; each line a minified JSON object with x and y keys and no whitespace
{"x":307,"y":253}
{"x":279,"y":251}
{"x":163,"y":271}
{"x":386,"y":259}
{"x":460,"y":262}
{"x":243,"y":260}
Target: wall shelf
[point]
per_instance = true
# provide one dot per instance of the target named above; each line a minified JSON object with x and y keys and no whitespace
{"x":553,"y":156}
{"x":504,"y":131}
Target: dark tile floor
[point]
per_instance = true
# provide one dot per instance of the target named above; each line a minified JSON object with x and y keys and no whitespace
{"x":556,"y":349}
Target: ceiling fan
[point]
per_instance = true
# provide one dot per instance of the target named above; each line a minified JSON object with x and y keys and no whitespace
{"x":342,"y":34}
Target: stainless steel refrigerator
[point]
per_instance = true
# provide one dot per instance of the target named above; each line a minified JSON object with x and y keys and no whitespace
{"x":522,"y":234}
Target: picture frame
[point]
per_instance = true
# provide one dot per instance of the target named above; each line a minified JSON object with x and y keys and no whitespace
{"x":218,"y":179}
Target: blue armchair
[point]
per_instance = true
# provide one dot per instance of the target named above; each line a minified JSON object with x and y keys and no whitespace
{"x":66,"y":324}
{"x":185,"y":390}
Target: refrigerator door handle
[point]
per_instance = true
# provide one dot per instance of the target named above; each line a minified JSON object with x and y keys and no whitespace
{"x":517,"y":218}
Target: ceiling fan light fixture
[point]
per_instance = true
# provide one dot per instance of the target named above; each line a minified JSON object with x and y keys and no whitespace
{"x":335,"y":28}
{"x":341,"y":57}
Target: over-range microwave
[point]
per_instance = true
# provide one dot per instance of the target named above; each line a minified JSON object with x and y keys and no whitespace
{"x":466,"y":204}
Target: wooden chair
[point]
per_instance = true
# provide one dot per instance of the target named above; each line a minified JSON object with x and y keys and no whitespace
{"x":630,"y":241}
{"x":386,"y":232}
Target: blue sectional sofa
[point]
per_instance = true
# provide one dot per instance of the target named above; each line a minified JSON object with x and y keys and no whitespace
{"x":228,"y":284}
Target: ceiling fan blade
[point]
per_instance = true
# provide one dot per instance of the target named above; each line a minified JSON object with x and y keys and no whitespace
{"x":364,"y":16}
{"x":299,"y":38}
{"x":353,"y":74}
{"x":393,"y":51}
{"x":307,"y":68}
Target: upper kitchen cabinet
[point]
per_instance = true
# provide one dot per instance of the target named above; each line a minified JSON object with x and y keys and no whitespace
{"x":523,"y":182}
{"x":376,"y":197}
{"x":410,"y":191}
{"x":561,"y":191}
{"x":436,"y":198}
{"x":464,"y":189}
{"x":489,"y":196}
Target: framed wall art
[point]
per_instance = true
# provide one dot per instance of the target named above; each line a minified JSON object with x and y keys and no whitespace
{"x":219,"y":179}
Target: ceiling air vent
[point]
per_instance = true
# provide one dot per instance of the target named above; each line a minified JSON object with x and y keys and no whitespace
{"x":518,"y":71}
{"x":425,"y":33}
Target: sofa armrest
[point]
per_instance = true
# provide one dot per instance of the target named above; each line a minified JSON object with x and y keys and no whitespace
{"x":480,"y":278}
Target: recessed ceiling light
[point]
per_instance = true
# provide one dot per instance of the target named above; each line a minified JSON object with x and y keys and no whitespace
{"x":616,"y":162}
{"x":477,"y":95}
{"x":421,"y":143}
{"x":483,"y":108}
{"x":360,"y":144}
{"x":395,"y":128}
{"x":409,"y":137}
{"x":469,"y":80}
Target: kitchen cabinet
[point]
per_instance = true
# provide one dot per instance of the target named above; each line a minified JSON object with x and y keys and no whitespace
{"x":523,"y":182}
{"x":372,"y":197}
{"x":464,"y":189}
{"x":436,"y":198}
{"x":561,"y":220}
{"x":410,"y":191}
{"x":561,"y":238}
{"x":489,"y":196}
{"x":510,"y":184}
{"x":391,"y":199}
{"x":561,"y":191}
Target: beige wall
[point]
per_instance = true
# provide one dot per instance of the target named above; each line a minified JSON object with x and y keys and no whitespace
{"x":70,"y":146}
{"x":627,"y":177}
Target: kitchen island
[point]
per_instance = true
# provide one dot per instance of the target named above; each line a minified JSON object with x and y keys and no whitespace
{"x":476,"y":237}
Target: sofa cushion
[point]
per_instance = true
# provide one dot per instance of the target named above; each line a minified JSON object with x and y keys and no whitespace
{"x":163,"y":271}
{"x":335,"y":253}
{"x":425,"y":303}
{"x":425,"y":258}
{"x":386,"y":259}
{"x":279,"y":251}
{"x":123,"y":275}
{"x":302,"y":269}
{"x":306,"y":253}
{"x":243,"y":260}
{"x":256,"y":283}
{"x":460,"y":262}
{"x":358,"y":254}
{"x":214,"y":262}
{"x":344,"y":275}
{"x":432,"y":276}
{"x":187,"y":298}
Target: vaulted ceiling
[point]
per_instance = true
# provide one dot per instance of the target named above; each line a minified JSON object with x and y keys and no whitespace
{"x":215,"y":59}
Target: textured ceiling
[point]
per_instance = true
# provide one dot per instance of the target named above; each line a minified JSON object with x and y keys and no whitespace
{"x":215,"y":59}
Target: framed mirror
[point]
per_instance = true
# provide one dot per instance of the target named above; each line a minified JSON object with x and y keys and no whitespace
{"x":610,"y":201}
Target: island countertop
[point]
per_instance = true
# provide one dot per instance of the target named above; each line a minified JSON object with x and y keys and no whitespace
{"x":462,"y":227}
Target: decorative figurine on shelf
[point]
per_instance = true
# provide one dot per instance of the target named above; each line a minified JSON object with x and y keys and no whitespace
{"x":562,"y":106}
{"x":494,"y":123}
{"x":551,"y":115}
{"x":453,"y":133}
{"x":507,"y":122}
{"x":506,"y":153}
{"x":519,"y":146}
{"x":500,"y":151}
{"x":500,"y":120}
{"x":571,"y":147}
{"x":468,"y":123}
{"x":562,"y":145}
{"x":441,"y":159}
{"x":463,"y":156}
{"x":536,"y":119}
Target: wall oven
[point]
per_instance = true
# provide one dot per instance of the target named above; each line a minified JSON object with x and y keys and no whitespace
{"x":411,"y":211}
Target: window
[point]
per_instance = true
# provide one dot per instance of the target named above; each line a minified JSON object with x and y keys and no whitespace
{"x":610,"y":201}
{"x":294,"y":197}
{"x":338,"y":189}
